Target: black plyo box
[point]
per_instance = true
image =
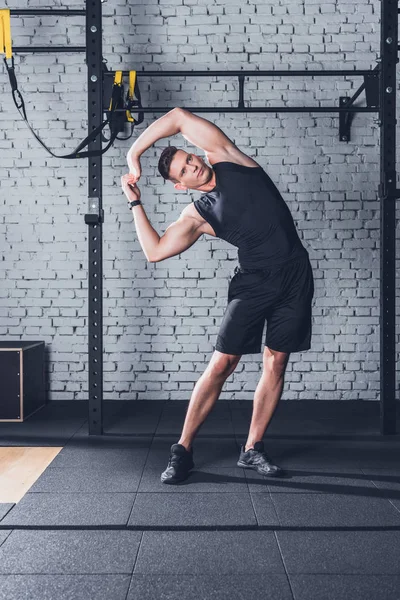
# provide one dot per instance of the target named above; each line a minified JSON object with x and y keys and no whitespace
{"x":22,"y":379}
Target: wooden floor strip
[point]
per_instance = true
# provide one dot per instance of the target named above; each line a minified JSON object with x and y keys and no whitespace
{"x":20,"y":467}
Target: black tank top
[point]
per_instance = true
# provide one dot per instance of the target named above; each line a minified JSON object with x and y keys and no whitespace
{"x":246,"y":209}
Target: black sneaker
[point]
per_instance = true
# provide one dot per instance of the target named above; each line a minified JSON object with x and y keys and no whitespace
{"x":179,"y":464}
{"x":258,"y":460}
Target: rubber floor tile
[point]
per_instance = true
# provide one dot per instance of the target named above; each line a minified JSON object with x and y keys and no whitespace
{"x":395,"y":503}
{"x":195,"y":510}
{"x":71,"y":509}
{"x":317,"y":455}
{"x":387,"y":479}
{"x":131,"y":425}
{"x":206,"y":479}
{"x":4,"y":535}
{"x":319,"y":408}
{"x":64,"y":587}
{"x":88,"y":479}
{"x":341,"y":552}
{"x":54,"y":432}
{"x":82,"y":439}
{"x":344,"y":587}
{"x":218,"y":413}
{"x":327,"y":510}
{"x":133,"y":421}
{"x":221,"y":409}
{"x":210,"y":426}
{"x":210,"y":587}
{"x":68,"y":552}
{"x":201,"y":552}
{"x":5,"y":508}
{"x":207,"y":451}
{"x":103,"y":457}
{"x":241,"y":423}
{"x":313,"y":481}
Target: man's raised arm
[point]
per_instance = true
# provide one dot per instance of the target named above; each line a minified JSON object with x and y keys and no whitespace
{"x":196,"y":130}
{"x":165,"y":126}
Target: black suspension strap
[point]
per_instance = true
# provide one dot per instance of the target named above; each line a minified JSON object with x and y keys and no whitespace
{"x":116,"y":117}
{"x":113,"y":119}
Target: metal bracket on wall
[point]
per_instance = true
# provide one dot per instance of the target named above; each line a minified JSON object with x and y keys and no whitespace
{"x":371,"y":87}
{"x":345,"y":119}
{"x":94,"y":215}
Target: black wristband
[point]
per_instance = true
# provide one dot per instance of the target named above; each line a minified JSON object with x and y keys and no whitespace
{"x":133,"y":203}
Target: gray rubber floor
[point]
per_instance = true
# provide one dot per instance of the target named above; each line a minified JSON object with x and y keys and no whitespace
{"x":98,"y":523}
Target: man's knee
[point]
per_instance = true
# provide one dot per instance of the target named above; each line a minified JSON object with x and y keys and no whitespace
{"x":224,"y":364}
{"x":274,"y":360}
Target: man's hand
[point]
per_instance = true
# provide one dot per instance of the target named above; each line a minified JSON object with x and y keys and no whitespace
{"x":134,"y":165}
{"x":128,"y":183}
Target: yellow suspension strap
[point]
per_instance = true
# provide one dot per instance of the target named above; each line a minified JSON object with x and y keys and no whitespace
{"x":117,"y":91}
{"x":5,"y":33}
{"x":117,"y":101}
{"x":6,"y":49}
{"x":130,"y":96}
{"x":131,"y":102}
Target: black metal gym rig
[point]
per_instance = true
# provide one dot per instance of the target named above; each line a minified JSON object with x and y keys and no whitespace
{"x":380,"y":91}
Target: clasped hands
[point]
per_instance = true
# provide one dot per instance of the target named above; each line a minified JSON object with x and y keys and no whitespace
{"x":128,"y":182}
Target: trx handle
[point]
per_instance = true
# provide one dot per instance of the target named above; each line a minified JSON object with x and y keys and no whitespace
{"x":130,"y":99}
{"x":130,"y":95}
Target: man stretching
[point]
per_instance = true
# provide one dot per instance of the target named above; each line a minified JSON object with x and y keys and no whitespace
{"x":273,"y":282}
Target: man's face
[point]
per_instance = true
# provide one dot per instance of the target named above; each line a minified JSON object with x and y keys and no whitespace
{"x":190,"y":170}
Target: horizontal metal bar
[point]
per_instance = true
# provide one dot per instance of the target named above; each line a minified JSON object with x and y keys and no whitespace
{"x":307,"y":73}
{"x":33,"y":49}
{"x":262,"y":109}
{"x":49,"y":11}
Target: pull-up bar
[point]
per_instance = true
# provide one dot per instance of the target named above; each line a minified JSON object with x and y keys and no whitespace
{"x":344,"y":108}
{"x":259,"y":109}
{"x":50,"y":12}
{"x":278,"y":73}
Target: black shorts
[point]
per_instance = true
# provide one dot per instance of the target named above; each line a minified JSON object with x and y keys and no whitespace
{"x":282,"y":296}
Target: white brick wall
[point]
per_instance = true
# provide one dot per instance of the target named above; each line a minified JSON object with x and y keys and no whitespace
{"x":161,"y":319}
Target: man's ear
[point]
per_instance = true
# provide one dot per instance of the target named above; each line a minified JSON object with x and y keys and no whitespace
{"x":179,"y":186}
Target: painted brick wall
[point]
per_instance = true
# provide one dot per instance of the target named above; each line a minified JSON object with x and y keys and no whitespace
{"x":161,"y":319}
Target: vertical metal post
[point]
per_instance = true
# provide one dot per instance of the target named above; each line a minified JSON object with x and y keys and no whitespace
{"x":95,"y":218}
{"x":241,"y":91}
{"x":387,"y":195}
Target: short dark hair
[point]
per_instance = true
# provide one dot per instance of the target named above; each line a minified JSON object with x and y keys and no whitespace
{"x":165,"y":162}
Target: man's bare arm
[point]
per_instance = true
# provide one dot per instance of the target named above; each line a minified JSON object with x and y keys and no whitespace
{"x":165,"y":126}
{"x":178,"y":237}
{"x":203,"y":133}
{"x":196,"y":130}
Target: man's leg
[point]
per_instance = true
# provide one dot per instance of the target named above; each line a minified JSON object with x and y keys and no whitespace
{"x":206,"y":392}
{"x":267,"y":394}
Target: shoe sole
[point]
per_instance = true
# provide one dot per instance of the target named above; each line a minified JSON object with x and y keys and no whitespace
{"x":171,"y":480}
{"x":255,"y":468}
